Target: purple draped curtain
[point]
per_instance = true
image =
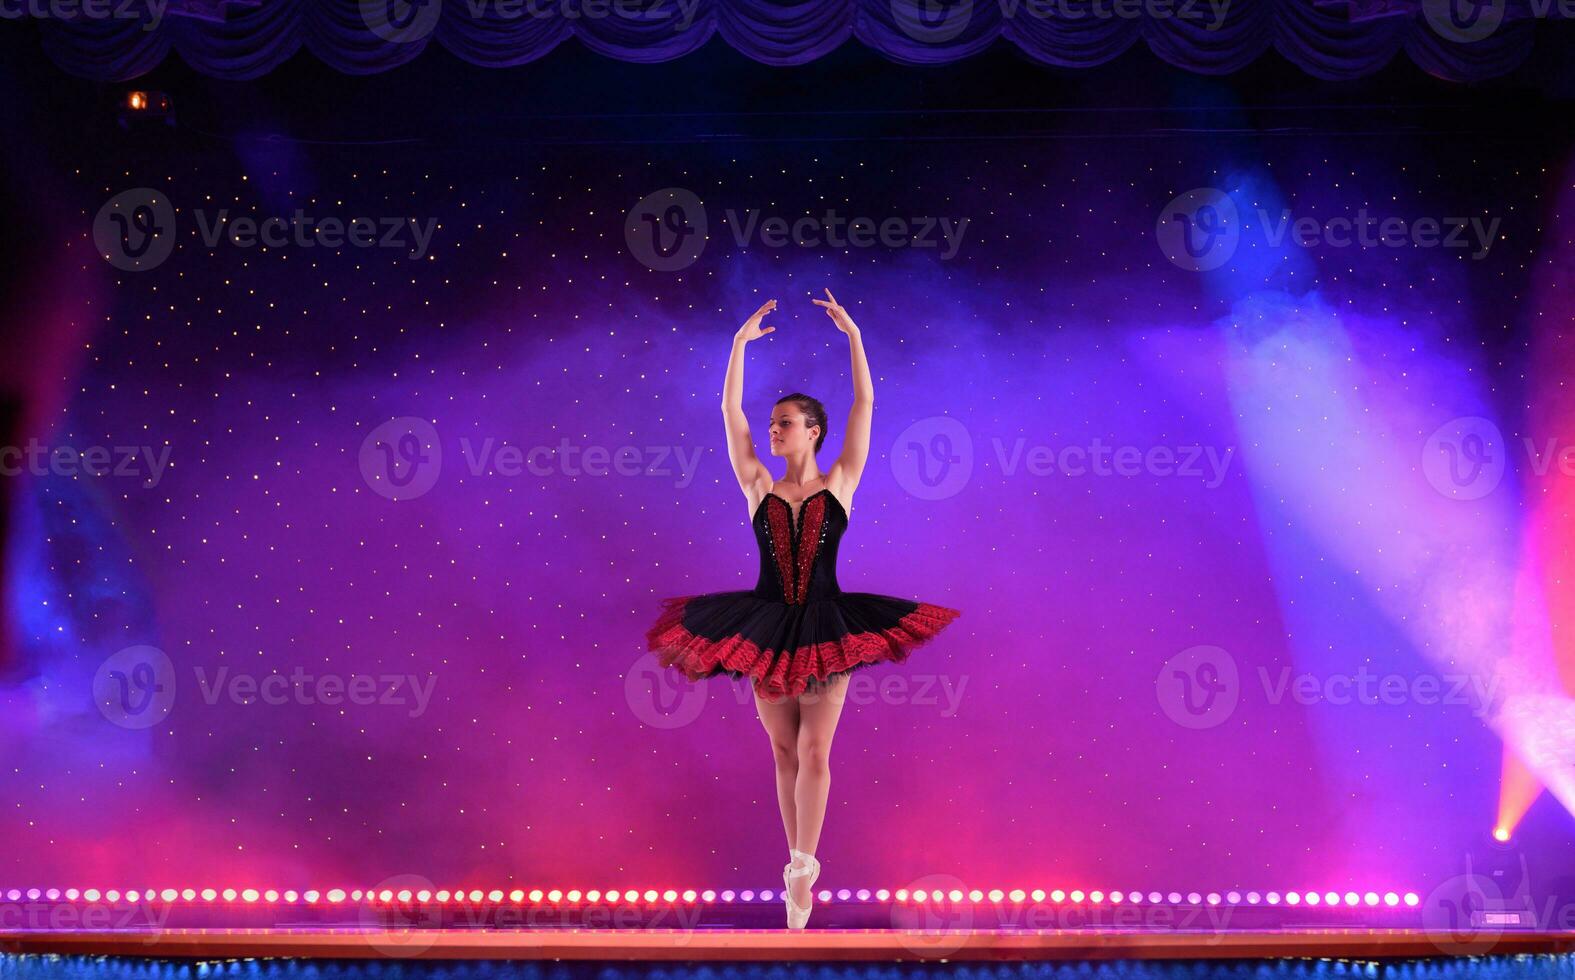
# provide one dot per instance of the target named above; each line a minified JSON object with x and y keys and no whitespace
{"x":361,"y":36}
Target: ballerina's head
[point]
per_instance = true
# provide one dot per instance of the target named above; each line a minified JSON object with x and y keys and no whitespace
{"x":798,"y":425}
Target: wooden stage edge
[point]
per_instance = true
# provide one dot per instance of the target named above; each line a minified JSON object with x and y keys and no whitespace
{"x":779,"y":944}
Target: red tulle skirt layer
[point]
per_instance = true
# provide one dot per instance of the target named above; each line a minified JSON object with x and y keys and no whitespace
{"x":786,"y":649}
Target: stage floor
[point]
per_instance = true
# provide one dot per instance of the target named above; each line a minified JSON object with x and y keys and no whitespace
{"x":837,"y":945}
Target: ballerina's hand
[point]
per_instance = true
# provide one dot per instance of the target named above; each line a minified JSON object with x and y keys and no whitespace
{"x":838,"y":315}
{"x":751,"y":328}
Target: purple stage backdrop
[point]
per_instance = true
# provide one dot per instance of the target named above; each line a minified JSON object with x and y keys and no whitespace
{"x":1219,"y":445}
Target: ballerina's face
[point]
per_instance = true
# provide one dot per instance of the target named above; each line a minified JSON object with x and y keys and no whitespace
{"x":789,"y":434}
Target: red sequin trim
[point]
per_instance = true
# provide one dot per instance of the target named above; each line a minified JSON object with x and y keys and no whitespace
{"x":777,"y":519}
{"x":776,"y":675}
{"x":809,"y":530}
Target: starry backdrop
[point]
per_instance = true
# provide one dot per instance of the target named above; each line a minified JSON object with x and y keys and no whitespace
{"x":512,"y":727}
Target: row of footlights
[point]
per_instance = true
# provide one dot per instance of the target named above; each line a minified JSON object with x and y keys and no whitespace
{"x":335,"y":896}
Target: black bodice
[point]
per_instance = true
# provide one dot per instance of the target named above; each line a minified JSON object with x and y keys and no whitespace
{"x":798,"y":558}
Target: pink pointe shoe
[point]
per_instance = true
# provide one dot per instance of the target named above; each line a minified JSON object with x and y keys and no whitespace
{"x":797,"y":917}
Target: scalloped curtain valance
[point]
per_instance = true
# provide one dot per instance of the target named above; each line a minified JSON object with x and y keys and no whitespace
{"x":123,"y":39}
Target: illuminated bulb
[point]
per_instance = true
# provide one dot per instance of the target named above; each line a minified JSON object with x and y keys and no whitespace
{"x":555,"y":895}
{"x":1500,"y":834}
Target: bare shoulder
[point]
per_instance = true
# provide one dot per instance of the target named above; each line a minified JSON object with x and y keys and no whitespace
{"x":755,"y":492}
{"x":841,"y":486}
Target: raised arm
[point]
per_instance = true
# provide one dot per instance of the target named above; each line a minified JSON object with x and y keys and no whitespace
{"x":849,"y":467}
{"x":740,"y":445}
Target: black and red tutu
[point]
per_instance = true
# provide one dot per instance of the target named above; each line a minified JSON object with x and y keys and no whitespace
{"x":796,"y":628}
